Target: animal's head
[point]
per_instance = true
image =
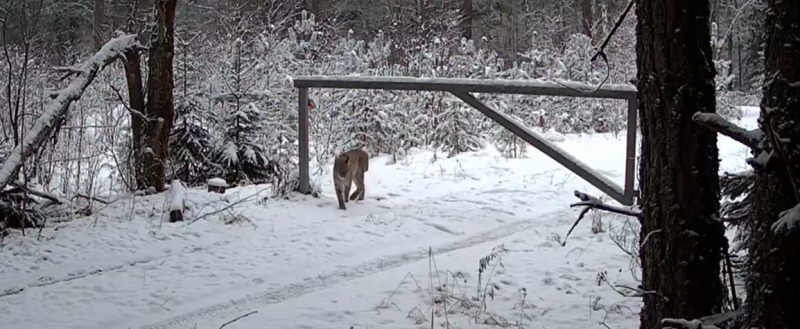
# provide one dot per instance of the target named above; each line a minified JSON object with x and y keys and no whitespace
{"x":341,"y":163}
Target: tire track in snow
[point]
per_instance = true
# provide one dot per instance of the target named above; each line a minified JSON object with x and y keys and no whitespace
{"x":47,"y":281}
{"x":234,"y":307}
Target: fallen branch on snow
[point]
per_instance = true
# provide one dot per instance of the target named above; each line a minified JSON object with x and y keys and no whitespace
{"x":59,"y":108}
{"x":590,"y":203}
{"x":91,"y":198}
{"x":718,"y":124}
{"x":228,"y":207}
{"x":44,"y":195}
{"x":237,"y":319}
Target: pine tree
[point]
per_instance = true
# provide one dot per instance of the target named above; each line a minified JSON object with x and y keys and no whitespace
{"x":726,"y":106}
{"x":574,"y":64}
{"x":456,"y":131}
{"x":241,"y":153}
{"x":190,"y":140}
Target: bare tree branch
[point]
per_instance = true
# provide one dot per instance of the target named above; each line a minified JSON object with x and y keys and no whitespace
{"x":590,"y":203}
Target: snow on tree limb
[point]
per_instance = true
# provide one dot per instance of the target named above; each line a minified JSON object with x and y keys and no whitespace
{"x":686,"y":324}
{"x":590,"y":203}
{"x":42,"y":128}
{"x":787,"y":220}
{"x":715,"y":122}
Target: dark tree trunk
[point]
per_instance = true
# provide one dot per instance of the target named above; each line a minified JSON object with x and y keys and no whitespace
{"x":160,"y":109}
{"x":317,"y":8}
{"x":774,"y":285}
{"x":587,"y":10}
{"x":467,"y":12}
{"x":681,"y":234}
{"x":97,"y":24}
{"x":133,"y":76}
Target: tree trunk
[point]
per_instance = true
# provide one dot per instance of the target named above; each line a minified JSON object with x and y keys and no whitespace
{"x":133,"y":76}
{"x":160,"y":109}
{"x":422,"y":11}
{"x":317,"y":8}
{"x":775,"y":279}
{"x":587,"y":10}
{"x":97,"y":33}
{"x":681,"y":234}
{"x":467,"y":13}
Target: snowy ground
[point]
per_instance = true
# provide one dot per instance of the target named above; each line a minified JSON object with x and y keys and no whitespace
{"x":302,"y":263}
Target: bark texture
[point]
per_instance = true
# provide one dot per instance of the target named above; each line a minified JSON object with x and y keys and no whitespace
{"x":774,"y":285}
{"x":681,"y":233}
{"x":160,"y":110}
{"x":467,"y":13}
{"x":133,"y":77}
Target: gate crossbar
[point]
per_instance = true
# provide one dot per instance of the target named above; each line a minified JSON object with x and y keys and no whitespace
{"x":462,"y":88}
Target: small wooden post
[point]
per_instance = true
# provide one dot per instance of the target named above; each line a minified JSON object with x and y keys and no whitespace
{"x":630,"y":153}
{"x":302,"y":141}
{"x":217,"y":185}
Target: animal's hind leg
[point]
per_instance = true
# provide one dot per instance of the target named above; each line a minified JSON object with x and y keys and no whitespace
{"x":359,"y":193}
{"x":346,"y":190}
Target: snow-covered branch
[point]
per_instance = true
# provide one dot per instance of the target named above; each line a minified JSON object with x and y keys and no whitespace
{"x":715,"y":122}
{"x":787,"y":220}
{"x":85,"y":74}
{"x":686,"y":324}
{"x":590,"y":202}
{"x":53,"y":198}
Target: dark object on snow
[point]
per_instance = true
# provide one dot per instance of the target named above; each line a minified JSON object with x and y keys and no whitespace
{"x":175,"y":216}
{"x":16,"y":211}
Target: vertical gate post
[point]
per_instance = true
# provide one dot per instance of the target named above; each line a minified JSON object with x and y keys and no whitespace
{"x":302,"y":141}
{"x":630,"y":152}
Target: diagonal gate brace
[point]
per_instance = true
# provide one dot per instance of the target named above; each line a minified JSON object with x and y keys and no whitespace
{"x":553,"y":151}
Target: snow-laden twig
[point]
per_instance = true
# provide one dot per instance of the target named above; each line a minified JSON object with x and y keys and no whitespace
{"x":787,"y":220}
{"x":715,"y":122}
{"x":41,"y":130}
{"x":590,"y":203}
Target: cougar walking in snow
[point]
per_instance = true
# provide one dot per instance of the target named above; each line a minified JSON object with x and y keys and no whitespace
{"x":349,"y":167}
